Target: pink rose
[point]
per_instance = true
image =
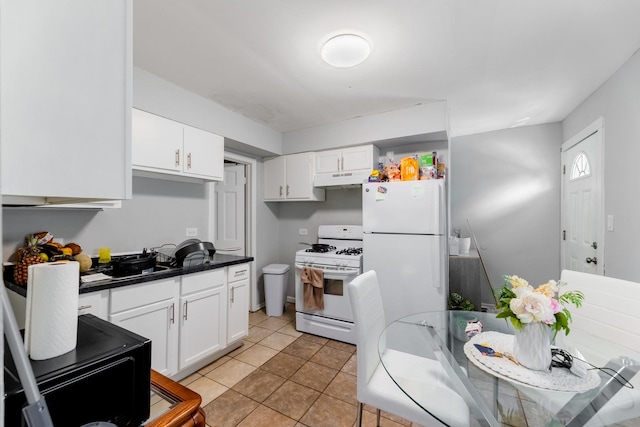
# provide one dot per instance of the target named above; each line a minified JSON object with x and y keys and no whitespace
{"x":555,"y":306}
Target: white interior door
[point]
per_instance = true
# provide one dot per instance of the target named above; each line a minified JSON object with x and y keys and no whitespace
{"x":230,"y":211}
{"x":582,"y":218}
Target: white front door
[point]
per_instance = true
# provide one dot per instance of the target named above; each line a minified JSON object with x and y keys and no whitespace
{"x":582,"y":218}
{"x":230,"y":211}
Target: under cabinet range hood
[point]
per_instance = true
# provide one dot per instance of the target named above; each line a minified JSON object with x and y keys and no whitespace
{"x":342,"y":179}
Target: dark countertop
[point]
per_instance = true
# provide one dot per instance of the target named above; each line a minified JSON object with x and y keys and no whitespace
{"x":217,"y":261}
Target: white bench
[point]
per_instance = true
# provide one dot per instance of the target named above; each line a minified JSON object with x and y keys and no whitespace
{"x":610,"y":311}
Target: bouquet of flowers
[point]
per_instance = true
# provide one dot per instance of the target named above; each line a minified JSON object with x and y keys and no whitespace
{"x":521,"y":303}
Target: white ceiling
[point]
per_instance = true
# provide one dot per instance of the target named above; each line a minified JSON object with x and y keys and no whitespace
{"x":494,"y":61}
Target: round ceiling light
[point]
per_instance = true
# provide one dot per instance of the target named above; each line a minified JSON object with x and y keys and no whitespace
{"x":346,"y":50}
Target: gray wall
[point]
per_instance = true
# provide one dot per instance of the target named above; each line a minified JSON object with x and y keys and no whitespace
{"x":507,"y":184}
{"x":158,"y":213}
{"x":618,"y":101}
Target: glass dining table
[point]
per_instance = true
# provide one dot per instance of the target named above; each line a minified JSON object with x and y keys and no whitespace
{"x":497,"y":390}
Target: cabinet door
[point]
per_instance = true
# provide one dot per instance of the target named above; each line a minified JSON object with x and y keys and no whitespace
{"x":157,"y":142}
{"x":357,"y":158}
{"x":238,"y":314}
{"x":203,"y":153}
{"x":202,"y":325}
{"x":328,"y":161}
{"x":299,"y":176}
{"x":274,"y":179}
{"x":65,"y":97}
{"x":158,"y":323}
{"x":96,"y":303}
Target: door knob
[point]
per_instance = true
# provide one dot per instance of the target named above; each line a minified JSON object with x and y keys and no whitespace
{"x":593,"y":260}
{"x":594,"y":245}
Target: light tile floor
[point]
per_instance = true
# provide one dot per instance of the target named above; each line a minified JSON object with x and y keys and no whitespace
{"x":282,"y":377}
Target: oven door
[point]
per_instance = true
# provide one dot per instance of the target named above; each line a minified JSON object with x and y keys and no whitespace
{"x":336,"y":296}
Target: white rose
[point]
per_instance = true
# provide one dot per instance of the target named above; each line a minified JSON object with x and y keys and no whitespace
{"x":532,"y":307}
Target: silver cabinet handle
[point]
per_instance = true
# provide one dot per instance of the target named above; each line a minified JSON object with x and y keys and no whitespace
{"x":173,"y":312}
{"x":84,"y":307}
{"x":239,"y":272}
{"x":233,"y":294}
{"x":186,"y":306}
{"x":189,"y":161}
{"x":287,"y":190}
{"x":338,"y":159}
{"x":178,"y":157}
{"x":281,"y":191}
{"x":342,"y":167}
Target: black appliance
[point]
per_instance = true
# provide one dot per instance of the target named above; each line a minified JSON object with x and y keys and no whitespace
{"x":130,"y":265}
{"x":107,"y":377}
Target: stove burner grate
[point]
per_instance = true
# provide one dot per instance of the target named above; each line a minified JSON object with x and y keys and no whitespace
{"x":323,"y":250}
{"x":350,"y":251}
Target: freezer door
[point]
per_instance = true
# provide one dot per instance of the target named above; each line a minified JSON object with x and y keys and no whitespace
{"x":410,"y":271}
{"x":414,"y":207}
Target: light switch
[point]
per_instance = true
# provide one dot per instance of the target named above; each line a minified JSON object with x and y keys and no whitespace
{"x":609,"y":222}
{"x":303,"y":232}
{"x":192,"y":232}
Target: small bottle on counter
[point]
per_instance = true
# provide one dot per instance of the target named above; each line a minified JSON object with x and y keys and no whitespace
{"x":441,"y":171}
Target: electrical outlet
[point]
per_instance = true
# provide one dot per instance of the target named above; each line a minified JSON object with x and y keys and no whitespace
{"x":192,"y":232}
{"x":303,"y":232}
{"x":609,"y":222}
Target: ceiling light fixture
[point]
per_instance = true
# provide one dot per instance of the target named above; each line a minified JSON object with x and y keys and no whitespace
{"x":345,"y":50}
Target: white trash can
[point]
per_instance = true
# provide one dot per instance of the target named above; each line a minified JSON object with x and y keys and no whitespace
{"x":275,"y":288}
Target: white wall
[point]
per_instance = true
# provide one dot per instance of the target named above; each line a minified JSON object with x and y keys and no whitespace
{"x":618,"y":101}
{"x":507,"y":184}
{"x":158,"y":213}
{"x":418,"y":120}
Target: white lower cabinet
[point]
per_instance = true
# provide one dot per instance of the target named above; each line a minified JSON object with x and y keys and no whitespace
{"x":203,"y":316}
{"x":238,"y":308}
{"x":149,"y":309}
{"x":188,"y":318}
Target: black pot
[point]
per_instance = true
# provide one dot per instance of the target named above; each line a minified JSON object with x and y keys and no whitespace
{"x":194,"y":253}
{"x":130,"y":265}
{"x":318,"y":247}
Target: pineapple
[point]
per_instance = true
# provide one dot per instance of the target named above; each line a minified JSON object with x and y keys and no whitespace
{"x":30,"y":256}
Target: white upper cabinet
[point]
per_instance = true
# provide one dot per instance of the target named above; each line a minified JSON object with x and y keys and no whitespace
{"x":65,"y":97}
{"x":290,"y":178}
{"x":346,"y":166}
{"x":347,"y":159}
{"x":171,"y":148}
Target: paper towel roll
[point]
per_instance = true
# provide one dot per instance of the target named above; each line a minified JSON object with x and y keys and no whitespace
{"x":51,"y":324}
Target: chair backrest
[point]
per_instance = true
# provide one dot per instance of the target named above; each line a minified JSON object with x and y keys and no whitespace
{"x":609,"y":311}
{"x":368,"y":313}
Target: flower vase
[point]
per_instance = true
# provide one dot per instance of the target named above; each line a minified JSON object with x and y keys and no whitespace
{"x":532,"y":346}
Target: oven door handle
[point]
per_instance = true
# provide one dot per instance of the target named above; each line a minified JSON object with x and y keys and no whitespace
{"x":345,"y":272}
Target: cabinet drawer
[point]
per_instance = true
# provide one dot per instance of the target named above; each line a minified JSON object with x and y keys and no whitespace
{"x":128,"y":297}
{"x":204,"y":280}
{"x":96,"y":303}
{"x":238,"y":272}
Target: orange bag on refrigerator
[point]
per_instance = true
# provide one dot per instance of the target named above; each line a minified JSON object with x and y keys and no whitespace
{"x":409,"y":169}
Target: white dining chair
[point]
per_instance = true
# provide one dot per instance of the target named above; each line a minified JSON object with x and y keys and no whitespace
{"x":374,"y":385}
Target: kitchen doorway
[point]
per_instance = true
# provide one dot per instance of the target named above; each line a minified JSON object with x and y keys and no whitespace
{"x":246,"y":217}
{"x":582,"y":239}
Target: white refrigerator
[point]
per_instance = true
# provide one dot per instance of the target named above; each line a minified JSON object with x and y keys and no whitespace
{"x":404,"y":241}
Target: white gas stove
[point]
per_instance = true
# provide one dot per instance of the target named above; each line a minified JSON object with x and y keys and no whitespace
{"x":340,"y":263}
